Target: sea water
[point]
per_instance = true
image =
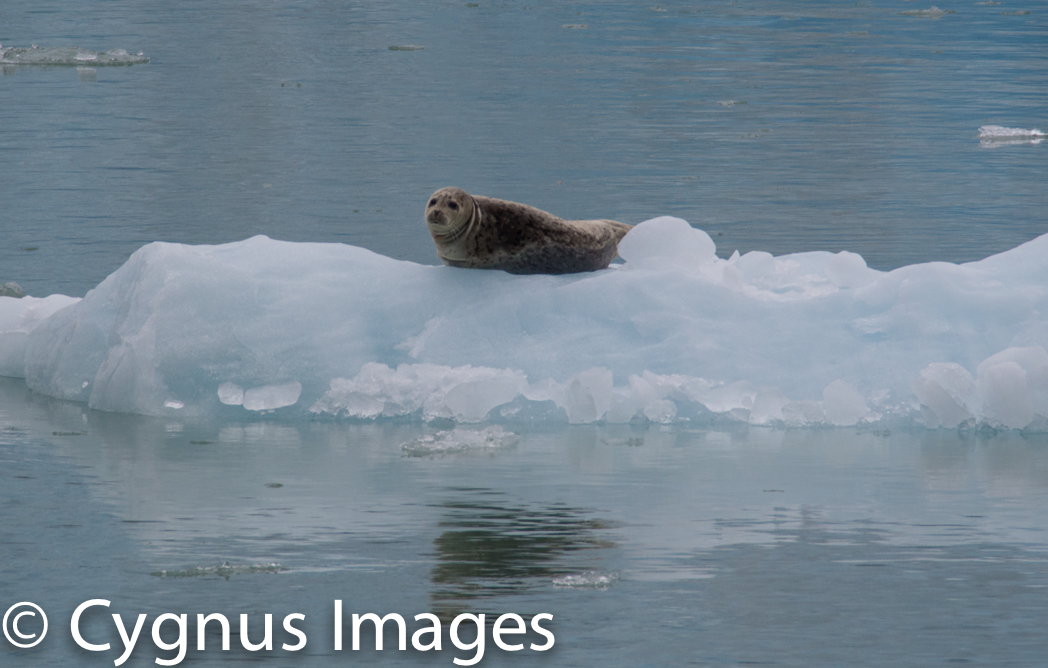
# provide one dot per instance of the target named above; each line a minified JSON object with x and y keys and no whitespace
{"x":775,"y":127}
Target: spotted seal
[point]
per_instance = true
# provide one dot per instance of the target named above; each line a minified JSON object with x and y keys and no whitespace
{"x":484,"y":233}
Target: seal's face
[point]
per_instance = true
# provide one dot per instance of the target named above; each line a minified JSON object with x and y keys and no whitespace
{"x":448,"y":214}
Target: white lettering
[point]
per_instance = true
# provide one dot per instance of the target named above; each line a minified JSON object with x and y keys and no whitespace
{"x":295,"y":632}
{"x":478,"y":643}
{"x":180,"y":644}
{"x":129,"y":645}
{"x":74,"y":625}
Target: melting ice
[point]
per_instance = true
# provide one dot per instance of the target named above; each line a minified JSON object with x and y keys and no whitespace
{"x":674,"y":333}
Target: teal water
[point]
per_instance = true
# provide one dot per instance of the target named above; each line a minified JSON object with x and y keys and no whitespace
{"x":775,"y":126}
{"x":772,"y":125}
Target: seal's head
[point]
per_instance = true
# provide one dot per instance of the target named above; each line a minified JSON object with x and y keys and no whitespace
{"x":449,"y":213}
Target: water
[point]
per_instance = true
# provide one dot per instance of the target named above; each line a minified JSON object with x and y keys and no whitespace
{"x":774,"y":126}
{"x":649,"y":546}
{"x":852,"y":127}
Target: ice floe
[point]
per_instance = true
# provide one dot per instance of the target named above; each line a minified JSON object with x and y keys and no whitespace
{"x":992,"y":136}
{"x":676,"y":333}
{"x":68,"y":56}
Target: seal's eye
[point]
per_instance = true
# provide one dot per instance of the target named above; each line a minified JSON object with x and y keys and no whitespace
{"x":433,"y":202}
{"x":453,"y":206}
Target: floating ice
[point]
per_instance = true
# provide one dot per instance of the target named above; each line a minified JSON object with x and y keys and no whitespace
{"x":68,"y":56}
{"x":676,"y":333}
{"x":589,"y":580}
{"x":224,"y":571}
{"x":991,"y":136}
{"x":932,"y":13}
{"x":456,"y":441}
{"x":18,"y":317}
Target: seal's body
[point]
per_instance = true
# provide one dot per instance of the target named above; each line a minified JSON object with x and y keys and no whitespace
{"x":484,"y":233}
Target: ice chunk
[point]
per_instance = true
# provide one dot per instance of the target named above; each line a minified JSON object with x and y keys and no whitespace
{"x":665,"y":242}
{"x":932,"y":13}
{"x":231,"y":394}
{"x":991,"y":136}
{"x":1013,"y":385}
{"x":767,"y":406}
{"x":949,"y":391}
{"x":18,"y":317}
{"x":270,"y":397}
{"x":456,"y":441}
{"x":68,"y":56}
{"x":587,"y":580}
{"x":586,"y":396}
{"x":465,"y":393}
{"x":843,"y":404}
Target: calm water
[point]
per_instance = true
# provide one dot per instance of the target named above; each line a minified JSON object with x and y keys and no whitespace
{"x":779,"y":126}
{"x":686,"y":547}
{"x":773,"y":125}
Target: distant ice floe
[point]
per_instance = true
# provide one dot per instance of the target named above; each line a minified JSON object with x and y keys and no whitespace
{"x":68,"y":56}
{"x":932,"y":12}
{"x":992,"y":136}
{"x":676,"y":334}
{"x":226,"y":570}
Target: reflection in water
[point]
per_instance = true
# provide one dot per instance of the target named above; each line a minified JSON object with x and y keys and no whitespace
{"x":818,"y":548}
{"x":491,"y":548}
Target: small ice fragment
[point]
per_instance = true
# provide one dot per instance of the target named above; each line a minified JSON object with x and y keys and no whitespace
{"x":174,"y":403}
{"x":231,"y":394}
{"x":269,"y":397}
{"x":460,"y":440}
{"x":590,"y":580}
{"x":406,"y":47}
{"x":932,"y":13}
{"x":575,"y":26}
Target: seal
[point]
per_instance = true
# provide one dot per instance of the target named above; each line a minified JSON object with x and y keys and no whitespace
{"x":485,"y":233}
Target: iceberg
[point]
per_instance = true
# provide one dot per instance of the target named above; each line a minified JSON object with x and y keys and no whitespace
{"x":674,"y":333}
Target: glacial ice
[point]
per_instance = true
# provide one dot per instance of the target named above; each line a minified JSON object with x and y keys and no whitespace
{"x":676,"y":333}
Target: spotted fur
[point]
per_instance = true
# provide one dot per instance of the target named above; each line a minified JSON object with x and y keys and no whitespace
{"x":484,"y":233}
